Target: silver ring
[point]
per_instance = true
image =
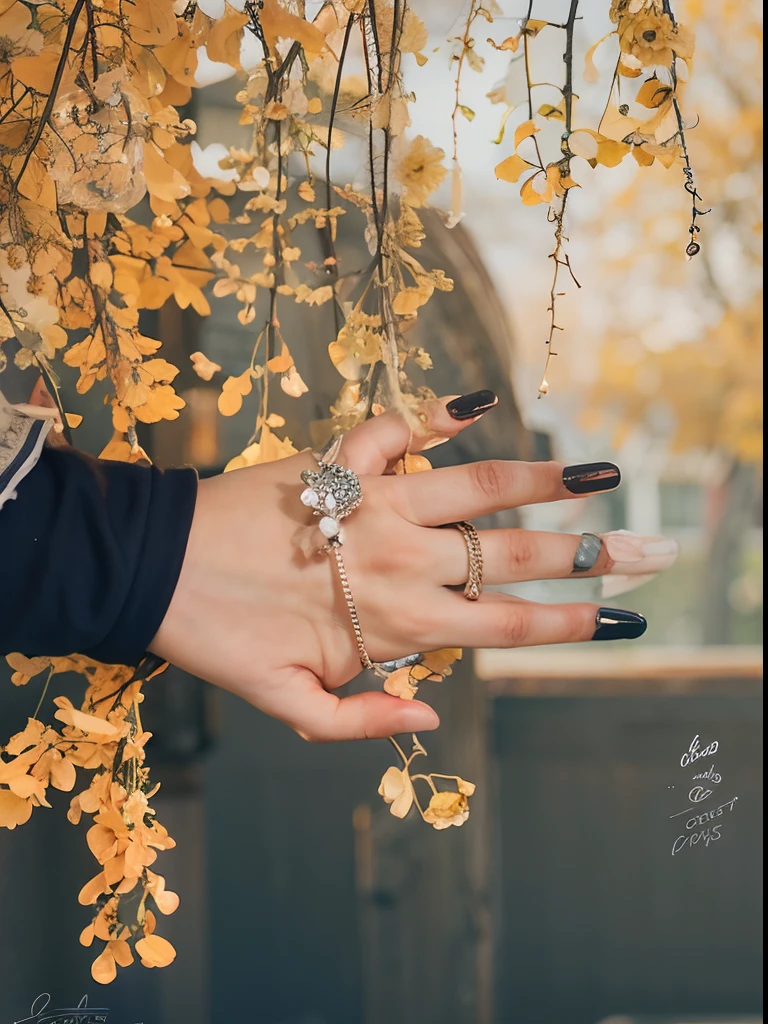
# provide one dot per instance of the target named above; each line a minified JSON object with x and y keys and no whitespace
{"x":406,"y":662}
{"x":587,"y":552}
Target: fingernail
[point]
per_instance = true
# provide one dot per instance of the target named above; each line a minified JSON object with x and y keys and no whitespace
{"x":591,"y":477}
{"x":466,"y":407}
{"x":617,"y":624}
{"x":633,"y":554}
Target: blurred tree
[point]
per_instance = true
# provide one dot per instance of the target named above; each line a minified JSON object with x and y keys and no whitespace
{"x":682,"y":353}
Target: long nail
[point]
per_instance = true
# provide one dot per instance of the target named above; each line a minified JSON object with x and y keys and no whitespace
{"x":591,"y":477}
{"x":634,"y":554}
{"x":466,"y":407}
{"x":617,"y":624}
{"x":636,"y":560}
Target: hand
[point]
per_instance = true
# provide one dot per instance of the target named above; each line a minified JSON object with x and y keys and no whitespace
{"x":255,"y":615}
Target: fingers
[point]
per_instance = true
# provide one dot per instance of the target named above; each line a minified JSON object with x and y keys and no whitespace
{"x":322,"y":717}
{"x":374,"y":446}
{"x":500,"y":621}
{"x":465,"y":492}
{"x":515,"y":556}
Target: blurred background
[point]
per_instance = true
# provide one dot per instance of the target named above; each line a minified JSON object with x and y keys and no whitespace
{"x":559,"y":902}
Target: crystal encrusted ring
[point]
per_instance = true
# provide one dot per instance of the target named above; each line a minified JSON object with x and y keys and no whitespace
{"x":332,"y":492}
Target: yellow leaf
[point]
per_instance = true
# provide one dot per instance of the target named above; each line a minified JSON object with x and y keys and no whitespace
{"x":399,"y":684}
{"x":510,"y":43}
{"x":439,"y":662}
{"x":37,"y":72}
{"x":524,"y":131}
{"x":160,"y":369}
{"x":163,"y":181}
{"x":511,"y":168}
{"x":553,"y":113}
{"x":104,"y":968}
{"x":642,"y":157}
{"x":617,"y":126}
{"x":653,"y":93}
{"x":591,"y":74}
{"x":407,"y":301}
{"x":162,"y":403}
{"x":306,"y":192}
{"x":292,"y":383}
{"x":152,"y":22}
{"x":155,"y":951}
{"x":504,"y":118}
{"x":14,"y":810}
{"x":118,"y":449}
{"x":233,"y":390}
{"x":610,"y":153}
{"x":69,"y":714}
{"x":219,"y":210}
{"x":37,"y":184}
{"x":27,"y":667}
{"x":584,"y":143}
{"x":225,"y":37}
{"x":203,"y":366}
{"x":100,"y":274}
{"x":121,"y":951}
{"x":277,"y":23}
{"x":74,"y":419}
{"x":281,"y":363}
{"x":319,"y":295}
{"x":530,"y":196}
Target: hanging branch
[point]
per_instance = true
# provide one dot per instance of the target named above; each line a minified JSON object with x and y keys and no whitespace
{"x":333,"y":269}
{"x":694,"y":246}
{"x":557,"y":216}
{"x":59,"y":74}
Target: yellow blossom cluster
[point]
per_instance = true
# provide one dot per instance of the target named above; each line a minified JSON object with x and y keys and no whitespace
{"x":103,"y":736}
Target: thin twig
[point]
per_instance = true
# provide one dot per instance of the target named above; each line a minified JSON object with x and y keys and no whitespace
{"x":557,"y":216}
{"x":48,"y":109}
{"x":334,"y":269}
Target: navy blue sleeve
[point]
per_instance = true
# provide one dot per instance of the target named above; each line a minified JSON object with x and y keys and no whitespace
{"x":91,"y":552}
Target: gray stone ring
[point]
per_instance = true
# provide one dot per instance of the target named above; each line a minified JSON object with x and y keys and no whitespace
{"x":587,"y":552}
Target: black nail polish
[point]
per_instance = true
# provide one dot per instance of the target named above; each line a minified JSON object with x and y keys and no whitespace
{"x":617,"y":624}
{"x":465,"y":407}
{"x":591,"y":477}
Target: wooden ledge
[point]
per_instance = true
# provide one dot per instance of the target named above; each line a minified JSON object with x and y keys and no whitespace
{"x":567,"y":671}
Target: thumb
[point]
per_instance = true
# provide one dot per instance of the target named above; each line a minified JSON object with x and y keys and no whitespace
{"x":322,"y":717}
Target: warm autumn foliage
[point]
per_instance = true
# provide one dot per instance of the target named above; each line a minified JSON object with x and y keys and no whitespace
{"x":697,"y":355}
{"x":90,"y":92}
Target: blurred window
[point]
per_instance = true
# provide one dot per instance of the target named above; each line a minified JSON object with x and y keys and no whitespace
{"x":682,"y":505}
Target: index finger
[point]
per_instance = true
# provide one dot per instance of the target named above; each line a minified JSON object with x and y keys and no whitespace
{"x":481,"y":488}
{"x":374,"y":446}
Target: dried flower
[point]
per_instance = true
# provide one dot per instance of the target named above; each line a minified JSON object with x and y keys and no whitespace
{"x":446,"y":809}
{"x":396,"y":789}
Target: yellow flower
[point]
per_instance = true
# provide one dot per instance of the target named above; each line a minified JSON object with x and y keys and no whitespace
{"x":446,"y":809}
{"x":653,"y":38}
{"x":420,"y":170}
{"x":397,"y":791}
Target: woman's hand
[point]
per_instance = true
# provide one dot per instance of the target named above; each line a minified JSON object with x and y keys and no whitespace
{"x":254,"y":614}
